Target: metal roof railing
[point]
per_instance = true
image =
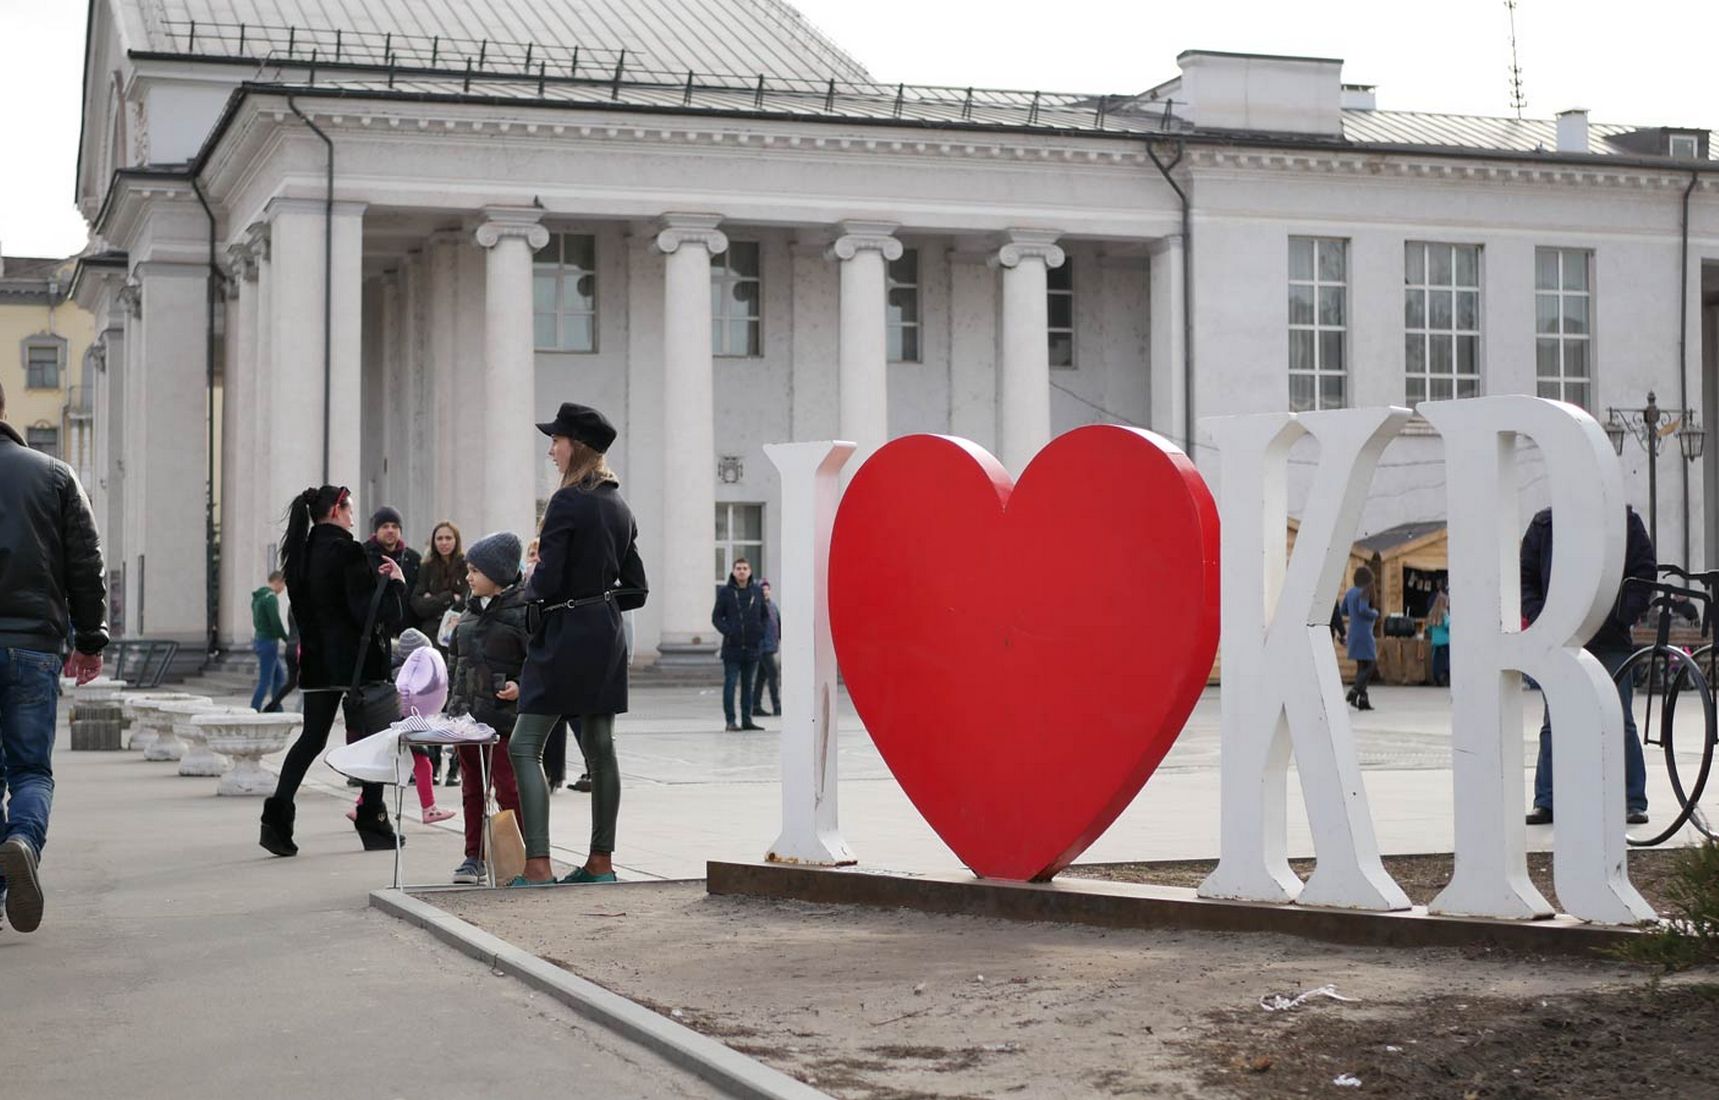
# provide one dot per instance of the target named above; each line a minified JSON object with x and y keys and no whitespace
{"x":378,"y":61}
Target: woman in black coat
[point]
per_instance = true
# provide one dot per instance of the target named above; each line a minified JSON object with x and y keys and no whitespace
{"x":588,"y":572}
{"x":331,"y":582}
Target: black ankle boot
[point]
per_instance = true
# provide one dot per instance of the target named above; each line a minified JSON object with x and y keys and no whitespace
{"x":375,"y":830}
{"x":276,"y":835}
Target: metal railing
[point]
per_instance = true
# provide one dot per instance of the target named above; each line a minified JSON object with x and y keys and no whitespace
{"x":374,"y":60}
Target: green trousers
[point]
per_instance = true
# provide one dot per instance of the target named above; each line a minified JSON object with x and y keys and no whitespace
{"x":525,"y":750}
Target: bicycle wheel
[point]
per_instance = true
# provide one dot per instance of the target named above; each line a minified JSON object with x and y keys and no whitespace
{"x":1704,"y":661}
{"x":1678,"y":674}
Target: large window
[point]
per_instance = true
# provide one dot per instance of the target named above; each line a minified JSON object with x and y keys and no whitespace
{"x":1441,"y":321}
{"x":1059,"y":282}
{"x":46,"y":440}
{"x":1563,"y":327}
{"x":42,"y":366}
{"x":1318,"y":323}
{"x":903,"y":292}
{"x":564,"y":293}
{"x":736,"y":295}
{"x":739,"y":534}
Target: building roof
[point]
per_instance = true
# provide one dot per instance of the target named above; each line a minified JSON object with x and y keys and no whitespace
{"x":708,"y":36}
{"x":1517,"y":135}
{"x":1401,"y":535}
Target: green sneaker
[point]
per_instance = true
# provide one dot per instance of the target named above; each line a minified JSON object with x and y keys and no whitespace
{"x":580,"y":875}
{"x":520,"y":881}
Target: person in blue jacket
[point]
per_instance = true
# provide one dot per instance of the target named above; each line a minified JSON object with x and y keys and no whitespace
{"x":1363,"y":649}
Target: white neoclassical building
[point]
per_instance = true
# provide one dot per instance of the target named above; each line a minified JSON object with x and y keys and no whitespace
{"x":372,"y":243}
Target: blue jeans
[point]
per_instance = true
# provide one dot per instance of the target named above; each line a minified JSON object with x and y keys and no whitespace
{"x":271,"y":674}
{"x":1635,"y":767}
{"x":738,"y":671}
{"x":29,"y":702}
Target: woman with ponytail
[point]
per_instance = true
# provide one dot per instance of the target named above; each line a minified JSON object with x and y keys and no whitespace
{"x":332,"y":584}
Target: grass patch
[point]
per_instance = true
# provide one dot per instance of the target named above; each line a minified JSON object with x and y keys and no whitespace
{"x":1689,"y":935}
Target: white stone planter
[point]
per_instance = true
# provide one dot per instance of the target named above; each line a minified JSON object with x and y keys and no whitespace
{"x":101,"y":690}
{"x":199,"y":759}
{"x":247,"y":738}
{"x":165,"y":714}
{"x":140,"y":711}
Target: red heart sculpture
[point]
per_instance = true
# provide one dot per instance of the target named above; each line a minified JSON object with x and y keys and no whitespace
{"x":1025,"y":656}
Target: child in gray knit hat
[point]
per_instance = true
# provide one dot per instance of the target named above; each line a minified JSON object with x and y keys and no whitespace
{"x":497,"y":556}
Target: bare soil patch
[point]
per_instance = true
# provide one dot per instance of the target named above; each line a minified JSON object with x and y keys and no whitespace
{"x":1421,"y":876}
{"x":877,"y":1004}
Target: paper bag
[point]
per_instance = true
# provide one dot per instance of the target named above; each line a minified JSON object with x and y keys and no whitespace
{"x":507,"y":850}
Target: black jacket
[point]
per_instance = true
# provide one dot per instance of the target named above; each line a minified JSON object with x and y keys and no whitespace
{"x":577,"y":664}
{"x":1631,"y":600}
{"x":441,"y":588}
{"x":50,"y":554}
{"x":409,"y":561}
{"x":488,"y":643}
{"x":739,"y":616}
{"x":330,"y":601}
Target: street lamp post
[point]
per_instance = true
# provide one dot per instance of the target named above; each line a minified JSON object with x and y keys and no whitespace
{"x":1650,"y":425}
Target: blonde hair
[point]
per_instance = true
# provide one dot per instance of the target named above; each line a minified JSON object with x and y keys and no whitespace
{"x":587,"y":467}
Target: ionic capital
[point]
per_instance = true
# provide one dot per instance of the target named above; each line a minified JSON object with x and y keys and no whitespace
{"x":506,"y":223}
{"x":860,"y":237}
{"x":1028,"y":244}
{"x":674,"y":230}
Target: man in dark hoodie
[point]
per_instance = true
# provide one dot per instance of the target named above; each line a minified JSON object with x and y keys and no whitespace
{"x":486,"y":655}
{"x":388,"y":540}
{"x":269,"y":632}
{"x":1611,"y":644}
{"x":739,"y":618}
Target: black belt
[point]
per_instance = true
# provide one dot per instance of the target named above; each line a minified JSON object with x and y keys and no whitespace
{"x":586,"y":601}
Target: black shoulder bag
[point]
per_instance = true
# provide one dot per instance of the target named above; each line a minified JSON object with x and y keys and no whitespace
{"x":370,"y":707}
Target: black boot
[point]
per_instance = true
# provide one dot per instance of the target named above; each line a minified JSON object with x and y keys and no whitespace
{"x":276,"y":835}
{"x":374,"y":829}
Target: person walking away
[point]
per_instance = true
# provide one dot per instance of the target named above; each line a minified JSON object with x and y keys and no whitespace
{"x":53,"y":589}
{"x":1438,"y":633}
{"x":290,"y":660}
{"x":441,"y":589}
{"x":268,"y":634}
{"x":388,"y":540}
{"x":588,"y":573}
{"x":488,"y":649}
{"x":1363,"y":647}
{"x":1611,"y":643}
{"x":769,"y":674}
{"x":333,"y":585}
{"x":739,"y":618}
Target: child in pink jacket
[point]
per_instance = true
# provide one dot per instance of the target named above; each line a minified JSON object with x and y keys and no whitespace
{"x":422,"y":681}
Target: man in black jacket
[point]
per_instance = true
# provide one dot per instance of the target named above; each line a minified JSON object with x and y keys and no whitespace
{"x":50,"y":562}
{"x":1611,"y":644}
{"x":739,"y":618}
{"x":388,"y":540}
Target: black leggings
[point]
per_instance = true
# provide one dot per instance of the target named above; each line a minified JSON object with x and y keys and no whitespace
{"x":1363,"y":677}
{"x":320,"y":709}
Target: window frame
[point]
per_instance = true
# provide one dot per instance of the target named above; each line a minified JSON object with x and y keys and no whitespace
{"x":561,"y":270}
{"x":1054,"y":291}
{"x":723,"y":278}
{"x":730,"y":547}
{"x":1318,"y":329}
{"x":33,"y":439}
{"x":1693,"y":149}
{"x":1563,"y":381}
{"x":38,"y":343}
{"x":1425,"y":333}
{"x":895,"y":330}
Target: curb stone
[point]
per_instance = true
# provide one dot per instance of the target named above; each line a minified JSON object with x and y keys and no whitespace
{"x":734,"y":1073}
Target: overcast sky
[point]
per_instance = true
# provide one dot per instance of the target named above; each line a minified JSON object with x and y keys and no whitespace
{"x":1649,"y":62}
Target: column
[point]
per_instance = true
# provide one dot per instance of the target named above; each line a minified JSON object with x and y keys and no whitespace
{"x":315,"y":396}
{"x":1024,"y":412}
{"x":510,"y":444}
{"x":474,"y":393}
{"x":242,"y":567}
{"x":689,"y":436}
{"x":171,"y":595}
{"x":389,"y":420}
{"x":268,"y":511}
{"x":110,"y":438}
{"x":862,"y":359}
{"x":1168,"y":340}
{"x":446,"y":395}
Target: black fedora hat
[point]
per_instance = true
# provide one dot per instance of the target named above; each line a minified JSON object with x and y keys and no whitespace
{"x":582,"y":424}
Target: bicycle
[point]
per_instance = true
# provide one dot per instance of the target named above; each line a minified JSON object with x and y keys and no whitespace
{"x":1665,"y":670}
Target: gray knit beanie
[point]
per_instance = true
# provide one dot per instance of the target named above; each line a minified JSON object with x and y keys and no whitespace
{"x":496,"y":557}
{"x":411,"y":641}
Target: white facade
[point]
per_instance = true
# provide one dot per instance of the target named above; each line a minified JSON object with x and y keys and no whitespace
{"x":432,"y":375}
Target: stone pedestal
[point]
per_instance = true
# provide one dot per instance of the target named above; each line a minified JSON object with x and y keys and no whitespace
{"x":168,"y":715}
{"x":97,"y":718}
{"x":246,"y":738}
{"x":199,"y":759}
{"x":140,"y":711}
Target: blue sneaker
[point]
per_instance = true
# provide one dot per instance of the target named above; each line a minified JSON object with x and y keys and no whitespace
{"x":470,"y":873}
